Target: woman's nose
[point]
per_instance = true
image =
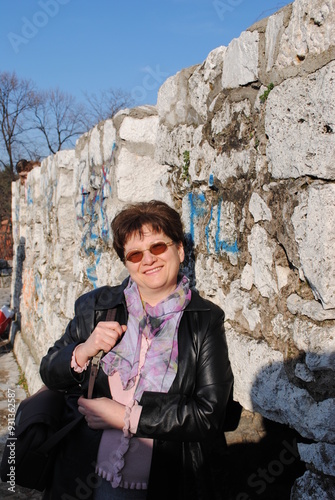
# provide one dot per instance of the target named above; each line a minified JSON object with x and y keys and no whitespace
{"x":148,"y":257}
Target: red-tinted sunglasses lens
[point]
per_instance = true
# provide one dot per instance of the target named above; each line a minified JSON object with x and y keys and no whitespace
{"x":156,"y":249}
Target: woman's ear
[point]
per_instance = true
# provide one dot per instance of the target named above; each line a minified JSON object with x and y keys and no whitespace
{"x":181,"y":252}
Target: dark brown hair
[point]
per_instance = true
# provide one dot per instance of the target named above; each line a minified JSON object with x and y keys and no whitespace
{"x":157,"y":214}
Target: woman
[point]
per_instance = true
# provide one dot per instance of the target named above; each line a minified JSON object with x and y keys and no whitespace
{"x":161,"y":394}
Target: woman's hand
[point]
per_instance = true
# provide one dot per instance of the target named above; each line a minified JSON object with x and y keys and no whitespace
{"x":102,"y":413}
{"x":104,"y":337}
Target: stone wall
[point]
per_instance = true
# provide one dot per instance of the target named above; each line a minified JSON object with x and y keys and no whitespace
{"x":243,"y":146}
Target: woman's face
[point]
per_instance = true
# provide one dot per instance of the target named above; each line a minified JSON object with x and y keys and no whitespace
{"x":155,"y":275}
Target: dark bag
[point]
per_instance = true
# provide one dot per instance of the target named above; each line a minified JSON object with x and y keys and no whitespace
{"x":30,"y":449}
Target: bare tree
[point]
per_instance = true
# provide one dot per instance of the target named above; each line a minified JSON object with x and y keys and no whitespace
{"x":17,"y":100}
{"x":106,"y":104}
{"x":35,"y":124}
{"x":59,"y":118}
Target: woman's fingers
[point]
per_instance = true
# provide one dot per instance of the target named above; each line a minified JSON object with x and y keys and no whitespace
{"x":102,"y":413}
{"x":104,"y":337}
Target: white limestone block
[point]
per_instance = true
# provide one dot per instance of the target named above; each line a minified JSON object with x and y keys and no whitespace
{"x":310,"y":32}
{"x":36,"y":237}
{"x":81,"y":174}
{"x":205,"y":161}
{"x":203,"y":82}
{"x":68,"y":294}
{"x":209,"y":278}
{"x":171,"y":144}
{"x":310,"y":308}
{"x":261,"y":250}
{"x":283,"y":274}
{"x":56,"y":326}
{"x":94,"y":145}
{"x":273,"y":33}
{"x":139,"y":130}
{"x":312,"y":486}
{"x":252,"y":316}
{"x":65,"y":159}
{"x":278,"y":399}
{"x":313,"y":222}
{"x":238,"y":302}
{"x":281,"y":328}
{"x":318,"y":342}
{"x":299,"y":123}
{"x":173,"y":99}
{"x":248,"y":358}
{"x":223,"y":117}
{"x":65,"y":187}
{"x":259,"y":209}
{"x":109,"y":138}
{"x":212,"y":66}
{"x":320,"y":455}
{"x":301,"y":371}
{"x":247,"y":277}
{"x":138,"y":178}
{"x":33,"y":185}
{"x":240,"y":65}
{"x":202,"y":158}
{"x":109,"y":267}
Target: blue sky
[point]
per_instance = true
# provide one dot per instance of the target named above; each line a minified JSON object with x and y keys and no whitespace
{"x":91,"y":45}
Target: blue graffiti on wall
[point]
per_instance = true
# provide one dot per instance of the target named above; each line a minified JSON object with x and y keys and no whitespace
{"x":199,"y":209}
{"x":30,"y":200}
{"x":39,"y":293}
{"x":211,"y":180}
{"x":49,"y":190}
{"x":90,"y":209}
{"x":106,"y":191}
{"x":95,"y":222}
{"x":91,"y":272}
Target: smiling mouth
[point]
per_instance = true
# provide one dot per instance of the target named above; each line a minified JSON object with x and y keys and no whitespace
{"x":154,"y":270}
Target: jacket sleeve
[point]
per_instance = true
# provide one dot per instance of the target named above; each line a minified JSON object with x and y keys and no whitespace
{"x":197,"y":413}
{"x":55,"y":369}
{"x":90,"y":308}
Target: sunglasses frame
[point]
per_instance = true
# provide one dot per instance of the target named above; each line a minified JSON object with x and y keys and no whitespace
{"x":168,"y":244}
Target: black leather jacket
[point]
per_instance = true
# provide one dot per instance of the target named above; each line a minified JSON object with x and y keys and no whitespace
{"x":183,"y":422}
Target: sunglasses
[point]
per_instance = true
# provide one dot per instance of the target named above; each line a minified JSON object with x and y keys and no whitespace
{"x":157,"y":248}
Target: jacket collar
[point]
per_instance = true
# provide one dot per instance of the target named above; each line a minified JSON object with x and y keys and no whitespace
{"x":197,"y":303}
{"x":113,"y":294}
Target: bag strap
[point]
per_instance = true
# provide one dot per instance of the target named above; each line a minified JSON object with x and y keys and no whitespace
{"x":95,"y":363}
{"x":58,"y":436}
